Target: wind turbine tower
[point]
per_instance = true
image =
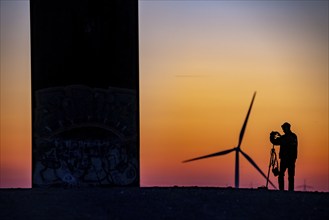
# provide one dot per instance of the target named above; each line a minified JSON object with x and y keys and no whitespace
{"x":237,"y":150}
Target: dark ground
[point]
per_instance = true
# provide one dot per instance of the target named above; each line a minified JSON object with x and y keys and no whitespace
{"x":161,"y":203}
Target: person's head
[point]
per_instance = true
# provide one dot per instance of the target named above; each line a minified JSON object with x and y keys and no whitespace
{"x":286,"y":127}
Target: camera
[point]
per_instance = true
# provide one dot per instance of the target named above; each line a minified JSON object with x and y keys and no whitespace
{"x":275,"y":134}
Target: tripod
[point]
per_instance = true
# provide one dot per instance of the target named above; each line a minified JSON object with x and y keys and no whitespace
{"x":273,"y":163}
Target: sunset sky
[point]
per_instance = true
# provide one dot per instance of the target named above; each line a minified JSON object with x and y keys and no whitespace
{"x":200,"y":63}
{"x":15,"y":81}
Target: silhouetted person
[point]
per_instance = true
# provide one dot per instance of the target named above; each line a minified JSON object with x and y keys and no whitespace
{"x":288,"y":154}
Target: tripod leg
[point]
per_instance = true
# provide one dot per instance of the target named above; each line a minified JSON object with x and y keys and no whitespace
{"x":268,"y":172}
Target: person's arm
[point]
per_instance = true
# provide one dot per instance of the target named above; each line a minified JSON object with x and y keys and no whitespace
{"x":295,"y":144}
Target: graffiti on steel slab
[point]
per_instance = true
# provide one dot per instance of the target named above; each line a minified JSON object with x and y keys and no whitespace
{"x":85,"y":137}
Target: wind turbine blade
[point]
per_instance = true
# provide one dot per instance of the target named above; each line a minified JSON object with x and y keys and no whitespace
{"x":211,"y":155}
{"x":246,"y":121}
{"x":255,"y":165}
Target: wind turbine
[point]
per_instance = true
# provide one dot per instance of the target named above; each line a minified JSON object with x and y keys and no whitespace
{"x":237,"y":150}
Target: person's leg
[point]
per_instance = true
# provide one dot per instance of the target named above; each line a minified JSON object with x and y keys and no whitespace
{"x":291,"y":176}
{"x":283,"y":168}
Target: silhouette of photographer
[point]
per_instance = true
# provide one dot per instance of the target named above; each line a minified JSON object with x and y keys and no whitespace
{"x":288,"y":154}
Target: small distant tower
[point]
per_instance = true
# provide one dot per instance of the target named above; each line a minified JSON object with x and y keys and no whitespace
{"x":304,"y":186}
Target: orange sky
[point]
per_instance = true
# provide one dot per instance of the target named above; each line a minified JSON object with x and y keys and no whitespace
{"x":200,"y":62}
{"x":15,"y":133}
